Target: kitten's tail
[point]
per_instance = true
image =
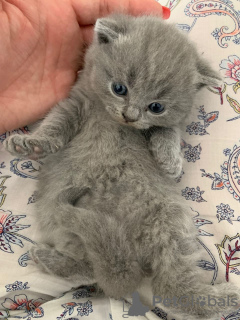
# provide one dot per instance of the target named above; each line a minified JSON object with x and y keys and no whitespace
{"x":108,"y":247}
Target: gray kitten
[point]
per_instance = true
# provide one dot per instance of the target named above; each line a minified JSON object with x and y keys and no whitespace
{"x":107,"y":205}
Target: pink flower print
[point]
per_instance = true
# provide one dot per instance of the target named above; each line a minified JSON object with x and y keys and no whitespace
{"x":231,"y":69}
{"x":21,"y":302}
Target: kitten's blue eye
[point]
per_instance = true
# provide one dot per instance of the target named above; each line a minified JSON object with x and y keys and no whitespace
{"x":156,"y":107}
{"x":120,"y":89}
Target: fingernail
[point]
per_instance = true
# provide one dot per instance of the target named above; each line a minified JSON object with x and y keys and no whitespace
{"x":166,"y":12}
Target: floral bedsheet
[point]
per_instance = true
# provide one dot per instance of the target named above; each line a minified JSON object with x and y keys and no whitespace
{"x":210,"y":183}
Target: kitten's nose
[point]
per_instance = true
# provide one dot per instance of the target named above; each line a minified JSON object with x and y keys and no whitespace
{"x":127,"y":119}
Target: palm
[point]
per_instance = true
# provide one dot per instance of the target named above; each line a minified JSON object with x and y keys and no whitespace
{"x":40,"y":44}
{"x":40,"y":52}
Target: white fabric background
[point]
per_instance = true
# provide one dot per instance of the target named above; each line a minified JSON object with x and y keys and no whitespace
{"x":210,"y":143}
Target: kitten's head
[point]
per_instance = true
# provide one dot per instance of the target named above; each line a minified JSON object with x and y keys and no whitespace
{"x":145,"y":71}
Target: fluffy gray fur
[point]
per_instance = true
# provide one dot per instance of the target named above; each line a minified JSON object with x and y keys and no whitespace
{"x":107,"y":204}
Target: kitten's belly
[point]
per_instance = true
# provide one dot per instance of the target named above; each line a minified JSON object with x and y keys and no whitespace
{"x":130,"y":192}
{"x":120,"y":173}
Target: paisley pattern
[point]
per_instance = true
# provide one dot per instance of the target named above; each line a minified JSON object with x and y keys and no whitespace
{"x":231,"y":173}
{"x":204,"y":8}
{"x":209,"y":183}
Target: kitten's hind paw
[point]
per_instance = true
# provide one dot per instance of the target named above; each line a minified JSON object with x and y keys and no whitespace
{"x":26,"y":146}
{"x":51,"y":261}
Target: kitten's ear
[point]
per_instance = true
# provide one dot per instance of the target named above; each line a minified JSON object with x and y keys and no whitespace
{"x":206,"y":75}
{"x":107,"y":30}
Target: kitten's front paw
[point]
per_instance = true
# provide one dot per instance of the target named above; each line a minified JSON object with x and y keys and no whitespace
{"x":26,"y":146}
{"x":172,"y":166}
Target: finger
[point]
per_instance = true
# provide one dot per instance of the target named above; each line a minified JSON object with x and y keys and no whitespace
{"x":89,"y":11}
{"x":140,"y":7}
{"x":87,"y":34}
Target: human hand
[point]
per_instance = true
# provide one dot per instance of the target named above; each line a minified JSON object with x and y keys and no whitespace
{"x":40,"y":45}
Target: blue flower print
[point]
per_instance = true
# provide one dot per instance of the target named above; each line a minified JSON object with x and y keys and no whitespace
{"x":224,"y":212}
{"x":17,"y":285}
